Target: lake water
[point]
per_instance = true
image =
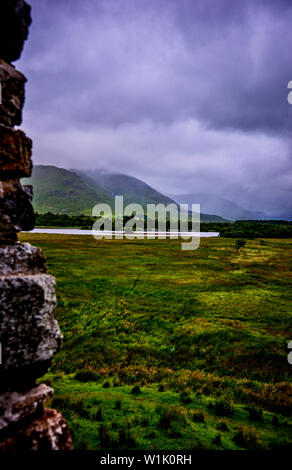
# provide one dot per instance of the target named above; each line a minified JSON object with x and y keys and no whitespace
{"x":75,"y":231}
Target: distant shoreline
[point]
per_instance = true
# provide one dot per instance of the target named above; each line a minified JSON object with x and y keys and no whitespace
{"x":63,"y":231}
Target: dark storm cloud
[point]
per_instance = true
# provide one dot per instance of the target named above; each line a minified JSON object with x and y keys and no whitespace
{"x":225,"y":62}
{"x":146,"y":85}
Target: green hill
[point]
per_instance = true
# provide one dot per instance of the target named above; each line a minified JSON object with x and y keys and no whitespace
{"x":134,"y":190}
{"x":61,"y":191}
{"x":75,"y":192}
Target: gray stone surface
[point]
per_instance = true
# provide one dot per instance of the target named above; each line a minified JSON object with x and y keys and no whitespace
{"x":29,"y":332}
{"x":15,"y":406}
{"x":13,"y":83}
{"x":15,"y":153}
{"x":16,"y":211}
{"x":21,"y":258}
{"x":47,"y":431}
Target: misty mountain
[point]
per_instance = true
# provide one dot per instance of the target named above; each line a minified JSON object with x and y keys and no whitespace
{"x":75,"y":192}
{"x":61,"y":191}
{"x":134,"y":190}
{"x":218,"y":205}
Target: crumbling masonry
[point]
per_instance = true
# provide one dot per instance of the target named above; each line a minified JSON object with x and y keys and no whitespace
{"x":29,"y":333}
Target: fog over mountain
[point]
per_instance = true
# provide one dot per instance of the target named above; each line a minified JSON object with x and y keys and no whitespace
{"x":218,"y":205}
{"x":75,"y":192}
{"x":190,"y":96}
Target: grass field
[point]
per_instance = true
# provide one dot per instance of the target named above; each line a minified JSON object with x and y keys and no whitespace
{"x":171,"y":349}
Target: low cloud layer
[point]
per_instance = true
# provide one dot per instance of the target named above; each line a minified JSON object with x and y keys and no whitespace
{"x":189,"y":96}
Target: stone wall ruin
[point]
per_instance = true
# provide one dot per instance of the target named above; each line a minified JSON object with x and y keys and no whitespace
{"x":29,"y":333}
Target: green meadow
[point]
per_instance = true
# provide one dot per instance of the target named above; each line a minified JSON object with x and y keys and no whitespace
{"x":172,"y":349}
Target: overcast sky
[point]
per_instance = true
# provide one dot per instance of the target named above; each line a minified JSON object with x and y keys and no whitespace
{"x":188,"y":95}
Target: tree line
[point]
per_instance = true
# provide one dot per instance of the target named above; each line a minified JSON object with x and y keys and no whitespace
{"x":245,"y":229}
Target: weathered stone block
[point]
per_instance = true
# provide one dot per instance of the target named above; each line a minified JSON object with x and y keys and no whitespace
{"x":21,"y":258}
{"x":48,"y":431}
{"x":12,"y":83}
{"x":15,"y":153}
{"x":15,"y":20}
{"x":16,"y":406}
{"x":29,"y":333}
{"x":16,"y":211}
